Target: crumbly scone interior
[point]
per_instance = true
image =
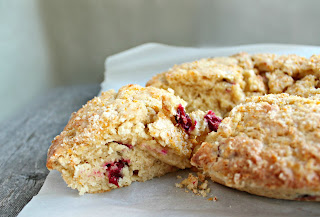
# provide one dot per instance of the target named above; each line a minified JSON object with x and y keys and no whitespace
{"x":88,"y":168}
{"x":267,"y":146}
{"x":221,"y":83}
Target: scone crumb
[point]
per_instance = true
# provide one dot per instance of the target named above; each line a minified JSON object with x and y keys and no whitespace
{"x":178,"y":185}
{"x":214,"y":199}
{"x":179,"y":177}
{"x":204,"y":185}
{"x":201,"y":177}
{"x":197,"y":184}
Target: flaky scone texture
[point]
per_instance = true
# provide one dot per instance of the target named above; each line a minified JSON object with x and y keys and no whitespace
{"x":133,"y":135}
{"x":268,"y":146}
{"x":221,"y":83}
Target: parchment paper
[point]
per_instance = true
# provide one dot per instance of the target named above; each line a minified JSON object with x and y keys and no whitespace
{"x":160,"y":197}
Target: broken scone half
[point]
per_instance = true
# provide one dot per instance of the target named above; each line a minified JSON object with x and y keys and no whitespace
{"x":268,"y":146}
{"x":133,"y":135}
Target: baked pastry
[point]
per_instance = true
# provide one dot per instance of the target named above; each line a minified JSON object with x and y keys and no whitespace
{"x":221,"y":83}
{"x":133,"y":135}
{"x":268,"y":146}
{"x":144,"y":132}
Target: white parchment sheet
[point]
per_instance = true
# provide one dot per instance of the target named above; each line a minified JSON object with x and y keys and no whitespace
{"x":160,"y":197}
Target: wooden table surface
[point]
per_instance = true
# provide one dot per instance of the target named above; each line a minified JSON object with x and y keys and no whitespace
{"x":25,"y":139}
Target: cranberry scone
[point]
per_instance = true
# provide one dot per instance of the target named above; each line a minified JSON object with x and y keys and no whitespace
{"x":133,"y":135}
{"x":268,"y":146}
{"x":221,"y":83}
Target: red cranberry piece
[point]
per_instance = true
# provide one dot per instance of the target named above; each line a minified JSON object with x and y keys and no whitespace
{"x":183,"y":119}
{"x":213,"y":121}
{"x":163,"y":151}
{"x":114,"y":171}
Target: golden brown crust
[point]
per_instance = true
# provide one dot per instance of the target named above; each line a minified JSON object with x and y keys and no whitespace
{"x":268,"y":146}
{"x":53,"y":150}
{"x":75,"y":124}
{"x":287,"y":194}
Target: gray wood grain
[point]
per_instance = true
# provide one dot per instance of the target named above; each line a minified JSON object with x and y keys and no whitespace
{"x":25,"y":139}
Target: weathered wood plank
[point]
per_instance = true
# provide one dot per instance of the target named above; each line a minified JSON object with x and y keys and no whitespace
{"x":25,"y":139}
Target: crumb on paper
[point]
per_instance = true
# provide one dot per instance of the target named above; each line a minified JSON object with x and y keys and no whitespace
{"x":179,"y":177}
{"x":178,"y":185}
{"x":201,"y":177}
{"x":197,"y":184}
{"x":214,"y":199}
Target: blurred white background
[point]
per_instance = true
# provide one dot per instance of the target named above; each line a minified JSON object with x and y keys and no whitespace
{"x":46,"y":43}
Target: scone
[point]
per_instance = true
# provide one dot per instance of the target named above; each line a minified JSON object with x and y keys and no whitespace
{"x":221,"y":83}
{"x":133,"y":135}
{"x":268,"y":146}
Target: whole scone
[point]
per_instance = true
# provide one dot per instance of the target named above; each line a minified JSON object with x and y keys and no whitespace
{"x":133,"y":135}
{"x":221,"y":83}
{"x":268,"y":146}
